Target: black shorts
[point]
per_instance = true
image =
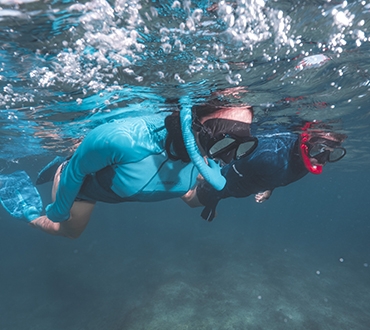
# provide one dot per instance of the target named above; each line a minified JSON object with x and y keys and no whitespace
{"x":96,"y":187}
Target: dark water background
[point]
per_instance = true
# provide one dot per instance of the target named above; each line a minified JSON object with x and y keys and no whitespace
{"x":298,"y":261}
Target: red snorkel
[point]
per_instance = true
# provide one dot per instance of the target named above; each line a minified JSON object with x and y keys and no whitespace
{"x":304,"y":138}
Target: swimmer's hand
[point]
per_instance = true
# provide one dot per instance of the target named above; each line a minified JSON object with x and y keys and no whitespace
{"x":212,"y":174}
{"x":263,"y":196}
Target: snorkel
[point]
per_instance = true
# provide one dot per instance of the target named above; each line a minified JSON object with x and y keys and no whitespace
{"x":304,"y":138}
{"x":211,"y":172}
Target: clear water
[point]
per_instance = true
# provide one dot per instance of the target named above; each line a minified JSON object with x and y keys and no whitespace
{"x":298,"y":261}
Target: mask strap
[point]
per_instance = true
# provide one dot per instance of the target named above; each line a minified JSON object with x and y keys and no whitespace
{"x":212,"y":171}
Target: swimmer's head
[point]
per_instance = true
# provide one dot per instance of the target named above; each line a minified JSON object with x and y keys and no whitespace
{"x":319,"y":146}
{"x":224,"y":130}
{"x":226,"y":139}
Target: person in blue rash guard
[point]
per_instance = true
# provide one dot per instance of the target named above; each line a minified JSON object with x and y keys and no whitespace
{"x":141,"y":159}
{"x":279,"y":159}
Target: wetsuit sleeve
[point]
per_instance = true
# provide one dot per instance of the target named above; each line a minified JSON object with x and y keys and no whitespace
{"x":106,"y":145}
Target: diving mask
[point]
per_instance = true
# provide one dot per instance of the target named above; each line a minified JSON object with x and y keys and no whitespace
{"x":324,"y":150}
{"x":226,"y":139}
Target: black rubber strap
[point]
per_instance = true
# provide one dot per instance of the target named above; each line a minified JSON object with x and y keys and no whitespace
{"x":208,"y":213}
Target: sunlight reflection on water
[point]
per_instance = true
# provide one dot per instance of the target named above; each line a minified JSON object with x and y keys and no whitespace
{"x":66,"y":67}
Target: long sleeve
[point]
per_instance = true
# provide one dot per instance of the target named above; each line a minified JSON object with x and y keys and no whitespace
{"x":108,"y":144}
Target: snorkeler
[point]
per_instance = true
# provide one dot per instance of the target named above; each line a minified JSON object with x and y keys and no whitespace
{"x":279,"y":159}
{"x":144,"y":159}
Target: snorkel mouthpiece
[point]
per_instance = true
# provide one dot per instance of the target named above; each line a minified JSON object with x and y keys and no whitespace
{"x":212,"y":171}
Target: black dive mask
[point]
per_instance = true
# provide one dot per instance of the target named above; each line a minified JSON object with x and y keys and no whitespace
{"x":324,"y":150}
{"x":226,"y":139}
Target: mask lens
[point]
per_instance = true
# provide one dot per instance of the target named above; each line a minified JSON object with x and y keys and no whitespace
{"x":336,"y":154}
{"x":323,"y":153}
{"x":221,"y":145}
{"x":323,"y":157}
{"x":317,"y":149}
{"x":246,"y":148}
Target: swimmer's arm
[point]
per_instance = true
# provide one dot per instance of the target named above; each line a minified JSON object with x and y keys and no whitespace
{"x":191,"y":198}
{"x":73,"y":227}
{"x":104,"y":146}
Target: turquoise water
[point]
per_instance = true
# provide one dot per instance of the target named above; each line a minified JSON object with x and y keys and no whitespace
{"x":299,"y":261}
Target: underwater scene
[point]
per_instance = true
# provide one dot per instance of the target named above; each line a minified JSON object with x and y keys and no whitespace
{"x":294,"y":257}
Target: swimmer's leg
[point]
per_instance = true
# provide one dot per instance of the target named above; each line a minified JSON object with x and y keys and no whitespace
{"x":48,"y":172}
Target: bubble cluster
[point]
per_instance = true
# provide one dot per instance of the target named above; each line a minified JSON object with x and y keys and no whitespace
{"x":307,"y":59}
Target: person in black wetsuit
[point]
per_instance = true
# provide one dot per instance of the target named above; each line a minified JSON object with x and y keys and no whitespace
{"x":279,"y":159}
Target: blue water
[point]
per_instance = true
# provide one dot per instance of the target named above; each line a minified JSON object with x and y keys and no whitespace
{"x":301,"y":260}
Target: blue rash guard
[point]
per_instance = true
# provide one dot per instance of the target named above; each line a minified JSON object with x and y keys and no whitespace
{"x":276,"y":162}
{"x":123,"y":160}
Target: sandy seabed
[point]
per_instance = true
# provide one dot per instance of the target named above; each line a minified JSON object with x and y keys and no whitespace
{"x":163,"y":275}
{"x":190,"y":289}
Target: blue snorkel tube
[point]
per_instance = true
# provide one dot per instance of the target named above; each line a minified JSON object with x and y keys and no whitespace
{"x":211,"y":172}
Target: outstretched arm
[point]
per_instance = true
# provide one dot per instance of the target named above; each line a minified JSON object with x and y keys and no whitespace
{"x":73,"y":227}
{"x":108,"y":144}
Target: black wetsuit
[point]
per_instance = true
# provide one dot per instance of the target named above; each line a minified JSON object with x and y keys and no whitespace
{"x":276,"y":162}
